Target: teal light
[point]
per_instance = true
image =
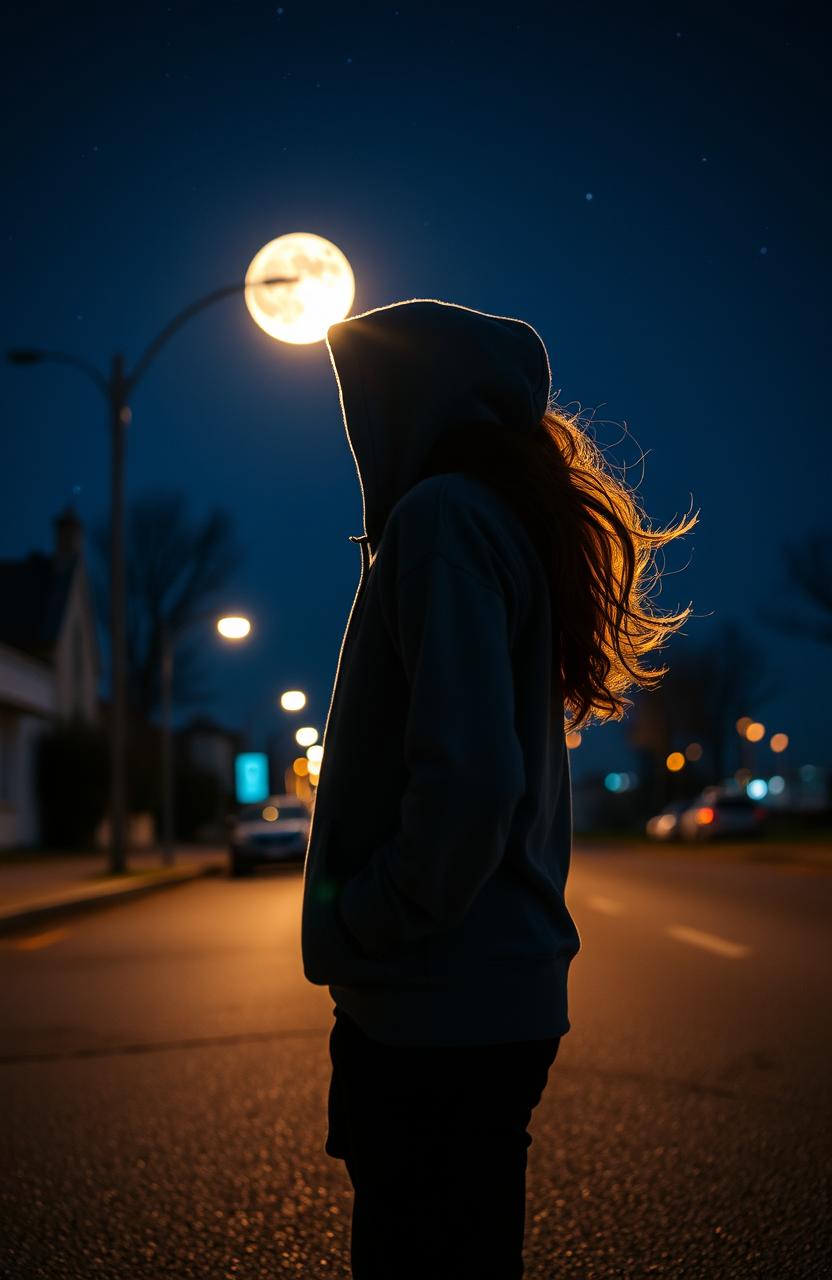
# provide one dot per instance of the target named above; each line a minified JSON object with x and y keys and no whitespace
{"x":251,"y":774}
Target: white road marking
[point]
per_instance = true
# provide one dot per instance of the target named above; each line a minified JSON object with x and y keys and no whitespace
{"x":708,"y":941}
{"x":608,"y":906}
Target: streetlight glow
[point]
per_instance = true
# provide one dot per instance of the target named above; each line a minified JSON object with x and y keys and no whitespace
{"x":755,"y":731}
{"x":306,"y":736}
{"x":234,"y":627}
{"x":293,"y":700}
{"x":321,"y":295}
{"x":315,"y":754}
{"x":675,"y":761}
{"x":778,"y":742}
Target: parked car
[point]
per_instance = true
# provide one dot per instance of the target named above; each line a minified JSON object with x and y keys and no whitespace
{"x":665,"y":825}
{"x":718,"y":813}
{"x":276,"y":830}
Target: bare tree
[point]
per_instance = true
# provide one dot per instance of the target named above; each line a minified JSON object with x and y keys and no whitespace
{"x":807,"y":569}
{"x":176,"y":566}
{"x":706,"y":690}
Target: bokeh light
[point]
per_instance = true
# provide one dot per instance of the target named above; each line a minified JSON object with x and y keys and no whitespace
{"x":233,"y":628}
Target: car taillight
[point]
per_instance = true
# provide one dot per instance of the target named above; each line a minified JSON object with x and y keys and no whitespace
{"x":704,"y":815}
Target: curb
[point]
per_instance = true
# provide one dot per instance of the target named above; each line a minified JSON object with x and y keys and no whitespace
{"x":24,"y":916}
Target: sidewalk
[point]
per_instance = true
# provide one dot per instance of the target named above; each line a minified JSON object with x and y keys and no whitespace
{"x":35,"y":886}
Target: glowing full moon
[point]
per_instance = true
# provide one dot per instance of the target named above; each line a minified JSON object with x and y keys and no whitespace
{"x":321,"y":296}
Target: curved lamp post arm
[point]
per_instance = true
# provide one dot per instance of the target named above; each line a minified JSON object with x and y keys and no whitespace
{"x":186,"y":314}
{"x":26,"y":356}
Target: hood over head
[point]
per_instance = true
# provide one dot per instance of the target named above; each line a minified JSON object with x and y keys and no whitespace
{"x":409,"y":371}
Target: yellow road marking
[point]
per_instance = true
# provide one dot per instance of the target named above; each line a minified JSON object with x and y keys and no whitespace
{"x":708,"y":942}
{"x":38,"y":940}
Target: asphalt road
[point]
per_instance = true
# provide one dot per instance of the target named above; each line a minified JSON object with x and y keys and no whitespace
{"x":164,"y":1072}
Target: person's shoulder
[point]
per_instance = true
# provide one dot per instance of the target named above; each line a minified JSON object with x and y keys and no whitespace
{"x":460,"y":517}
{"x":451,"y":496}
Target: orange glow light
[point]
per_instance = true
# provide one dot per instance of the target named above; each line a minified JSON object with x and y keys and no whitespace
{"x":573,"y":739}
{"x":675,"y":761}
{"x":742,"y":725}
{"x":779,"y":742}
{"x":755,"y":731}
{"x":704,"y":815}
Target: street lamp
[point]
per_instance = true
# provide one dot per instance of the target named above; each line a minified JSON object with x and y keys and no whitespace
{"x":230,"y":628}
{"x":117,"y":387}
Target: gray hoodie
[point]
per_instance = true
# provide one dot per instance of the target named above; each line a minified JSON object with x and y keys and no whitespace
{"x":434,"y":881}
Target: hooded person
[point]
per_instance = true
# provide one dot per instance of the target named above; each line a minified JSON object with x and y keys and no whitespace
{"x":434,"y":880}
{"x":501,"y":576}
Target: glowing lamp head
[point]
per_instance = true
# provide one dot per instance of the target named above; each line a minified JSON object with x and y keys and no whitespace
{"x":234,"y":628}
{"x":293,"y":700}
{"x":306,"y":737}
{"x":321,"y":295}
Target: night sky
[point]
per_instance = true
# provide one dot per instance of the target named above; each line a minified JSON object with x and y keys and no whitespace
{"x":643,"y":184}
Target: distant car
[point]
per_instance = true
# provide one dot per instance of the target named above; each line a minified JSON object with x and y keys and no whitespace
{"x":665,"y":825}
{"x":277,"y":830}
{"x":718,"y":813}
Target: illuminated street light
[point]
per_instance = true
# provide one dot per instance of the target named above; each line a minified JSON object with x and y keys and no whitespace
{"x":293,"y":700}
{"x":574,"y":739}
{"x":742,"y":725}
{"x":117,"y":386}
{"x":675,"y":761}
{"x":315,"y":754}
{"x":778,"y":742}
{"x":306,"y":736}
{"x":233,"y":627}
{"x":755,"y":731}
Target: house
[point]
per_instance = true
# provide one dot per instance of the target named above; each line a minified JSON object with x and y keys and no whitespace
{"x":50,"y":666}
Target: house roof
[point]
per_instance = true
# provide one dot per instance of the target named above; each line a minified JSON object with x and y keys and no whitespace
{"x":33,"y":597}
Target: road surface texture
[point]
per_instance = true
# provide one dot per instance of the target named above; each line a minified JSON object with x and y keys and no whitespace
{"x":165,"y":1069}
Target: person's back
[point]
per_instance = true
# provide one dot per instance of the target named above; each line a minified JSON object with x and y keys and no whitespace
{"x":501,"y":601}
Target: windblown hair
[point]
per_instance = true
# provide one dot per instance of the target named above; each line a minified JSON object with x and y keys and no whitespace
{"x":597,"y":545}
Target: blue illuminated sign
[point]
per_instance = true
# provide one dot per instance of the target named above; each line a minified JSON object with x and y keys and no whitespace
{"x":251,"y":772}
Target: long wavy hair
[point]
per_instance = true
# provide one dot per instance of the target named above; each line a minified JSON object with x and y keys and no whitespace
{"x":598,"y":547}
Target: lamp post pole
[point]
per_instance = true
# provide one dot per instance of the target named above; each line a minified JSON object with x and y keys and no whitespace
{"x":117,"y":388}
{"x":119,"y":420}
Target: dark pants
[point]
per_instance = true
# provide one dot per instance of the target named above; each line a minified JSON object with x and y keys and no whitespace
{"x":435,"y":1142}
